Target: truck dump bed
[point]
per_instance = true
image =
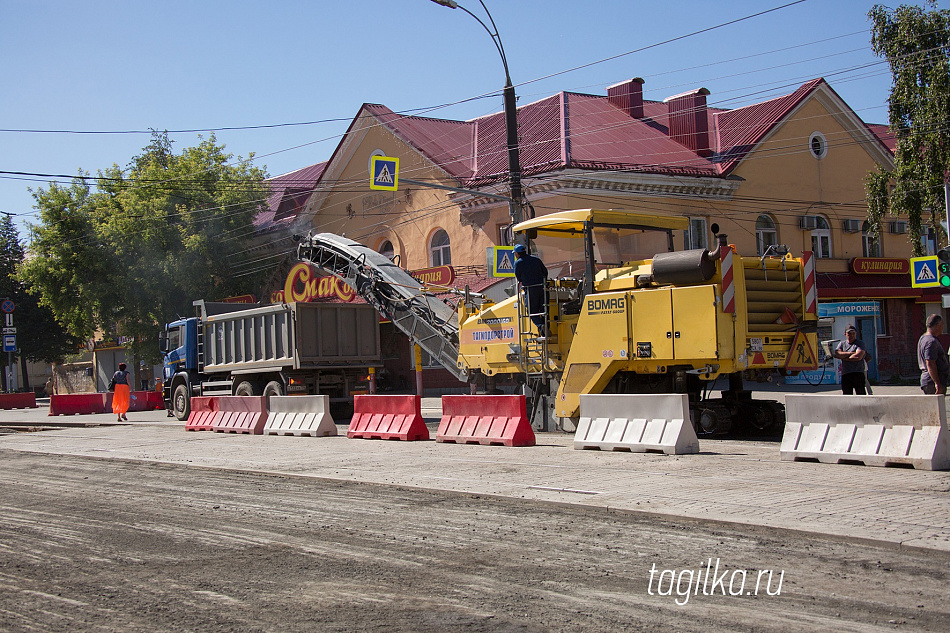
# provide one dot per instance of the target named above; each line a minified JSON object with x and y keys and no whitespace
{"x":288,"y":336}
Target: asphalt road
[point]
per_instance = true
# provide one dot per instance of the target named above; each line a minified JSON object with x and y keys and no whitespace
{"x":107,"y":545}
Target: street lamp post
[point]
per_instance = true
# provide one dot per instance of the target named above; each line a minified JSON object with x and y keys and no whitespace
{"x":511,"y":114}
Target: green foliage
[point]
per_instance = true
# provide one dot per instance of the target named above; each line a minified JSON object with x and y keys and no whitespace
{"x":39,"y":336}
{"x":136,"y":252}
{"x":916,"y":44}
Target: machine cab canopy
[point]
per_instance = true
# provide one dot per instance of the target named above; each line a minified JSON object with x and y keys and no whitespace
{"x":573,"y":223}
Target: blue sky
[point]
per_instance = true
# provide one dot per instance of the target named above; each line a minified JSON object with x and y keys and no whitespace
{"x":182,"y":65}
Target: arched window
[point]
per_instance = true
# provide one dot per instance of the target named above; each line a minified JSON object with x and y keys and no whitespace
{"x":439,"y":249}
{"x":386,"y":249}
{"x":870,"y":244}
{"x":765,"y":234}
{"x":821,"y":237}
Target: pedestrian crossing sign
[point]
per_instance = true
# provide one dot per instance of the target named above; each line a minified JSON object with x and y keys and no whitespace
{"x":385,"y":173}
{"x":923,"y":272}
{"x":503,"y":261}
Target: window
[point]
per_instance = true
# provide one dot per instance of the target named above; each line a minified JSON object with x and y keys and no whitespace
{"x":870,"y":244}
{"x":386,"y":249}
{"x":821,"y":237}
{"x":928,"y":241}
{"x":881,"y":321}
{"x":440,"y":251}
{"x":174,"y":339}
{"x":765,"y":234}
{"x":818,"y":145}
{"x":695,"y":235}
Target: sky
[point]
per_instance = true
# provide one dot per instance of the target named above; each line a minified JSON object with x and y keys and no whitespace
{"x":121,"y":68}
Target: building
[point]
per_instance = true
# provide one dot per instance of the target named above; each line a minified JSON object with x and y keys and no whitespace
{"x":789,"y":171}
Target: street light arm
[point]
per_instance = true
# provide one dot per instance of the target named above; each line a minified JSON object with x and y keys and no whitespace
{"x":495,"y":37}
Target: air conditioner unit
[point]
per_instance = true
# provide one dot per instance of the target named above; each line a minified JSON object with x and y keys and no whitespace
{"x":852,"y":226}
{"x":898,"y":226}
{"x":808,"y":222}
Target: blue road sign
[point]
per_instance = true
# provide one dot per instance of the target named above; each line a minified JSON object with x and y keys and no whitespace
{"x":503,"y":262}
{"x":9,"y":342}
{"x":385,"y":173}
{"x":923,"y":271}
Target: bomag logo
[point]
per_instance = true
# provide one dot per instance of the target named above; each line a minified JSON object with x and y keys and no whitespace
{"x":606,"y":306}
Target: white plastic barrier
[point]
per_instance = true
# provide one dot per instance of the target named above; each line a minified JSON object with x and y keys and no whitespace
{"x":636,"y":423}
{"x":872,"y":430}
{"x":299,"y":415}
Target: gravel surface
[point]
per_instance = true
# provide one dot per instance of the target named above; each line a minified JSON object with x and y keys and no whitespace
{"x":110,"y":545}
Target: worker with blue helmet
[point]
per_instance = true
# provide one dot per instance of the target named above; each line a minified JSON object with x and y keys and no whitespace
{"x":532,"y":275}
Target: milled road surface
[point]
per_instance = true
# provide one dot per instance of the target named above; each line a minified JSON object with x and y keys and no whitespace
{"x":92,"y":544}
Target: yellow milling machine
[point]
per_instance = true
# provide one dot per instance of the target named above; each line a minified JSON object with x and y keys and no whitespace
{"x":673,"y":324}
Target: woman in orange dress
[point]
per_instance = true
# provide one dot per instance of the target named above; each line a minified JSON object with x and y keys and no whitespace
{"x":121,"y":396}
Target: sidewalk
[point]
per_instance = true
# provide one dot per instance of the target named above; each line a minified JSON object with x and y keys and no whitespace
{"x":732,"y":481}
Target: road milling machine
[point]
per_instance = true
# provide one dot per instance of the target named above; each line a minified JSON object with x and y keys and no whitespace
{"x":688,"y":322}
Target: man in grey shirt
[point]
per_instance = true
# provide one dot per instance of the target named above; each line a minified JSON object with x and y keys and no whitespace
{"x":932,"y":359}
{"x":851,"y":353}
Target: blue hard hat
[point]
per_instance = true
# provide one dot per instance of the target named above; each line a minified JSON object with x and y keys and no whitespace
{"x":520,"y":248}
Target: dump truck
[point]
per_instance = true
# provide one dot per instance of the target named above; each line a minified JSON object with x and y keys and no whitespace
{"x":682,"y":322}
{"x":269,"y":350}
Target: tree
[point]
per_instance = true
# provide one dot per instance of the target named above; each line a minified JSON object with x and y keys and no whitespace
{"x":916,"y":44}
{"x":39,"y":336}
{"x":133,"y":254}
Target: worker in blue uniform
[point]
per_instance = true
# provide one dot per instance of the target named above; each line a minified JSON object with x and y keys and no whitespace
{"x":532,"y":275}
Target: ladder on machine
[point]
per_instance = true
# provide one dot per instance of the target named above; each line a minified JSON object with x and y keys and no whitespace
{"x":535,"y":353}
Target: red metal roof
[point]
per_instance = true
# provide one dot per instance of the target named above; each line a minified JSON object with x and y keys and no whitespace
{"x":741,"y":129}
{"x":566,"y":130}
{"x":288,"y":194}
{"x":885,"y":135}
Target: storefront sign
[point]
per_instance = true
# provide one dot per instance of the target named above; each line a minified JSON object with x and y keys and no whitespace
{"x":857,"y":308}
{"x":303,"y":285}
{"x":438,"y":276}
{"x":879,"y":266}
{"x":240,"y":299}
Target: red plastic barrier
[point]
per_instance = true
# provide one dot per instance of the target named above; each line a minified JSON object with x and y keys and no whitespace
{"x":153,"y":400}
{"x":77,"y":403}
{"x":203,"y":411}
{"x":18,"y":400}
{"x":387,"y":418}
{"x":240,"y":414}
{"x":500,"y":420}
{"x":138,"y":401}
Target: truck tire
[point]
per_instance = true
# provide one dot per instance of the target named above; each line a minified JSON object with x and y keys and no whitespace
{"x":181,"y":402}
{"x":273,"y":388}
{"x":247,"y":388}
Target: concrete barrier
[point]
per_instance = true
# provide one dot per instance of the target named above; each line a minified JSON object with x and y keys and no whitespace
{"x":18,"y":400}
{"x":869,"y":430}
{"x":77,"y":404}
{"x":299,"y":415}
{"x":387,"y":418}
{"x":638,"y":423}
{"x":203,"y":411}
{"x":494,"y":420}
{"x":240,"y":414}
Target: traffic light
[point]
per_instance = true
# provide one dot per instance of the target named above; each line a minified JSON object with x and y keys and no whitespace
{"x":943,"y":267}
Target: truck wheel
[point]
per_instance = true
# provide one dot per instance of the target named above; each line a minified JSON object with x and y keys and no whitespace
{"x":181,"y":402}
{"x":246,"y":388}
{"x":273,"y":388}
